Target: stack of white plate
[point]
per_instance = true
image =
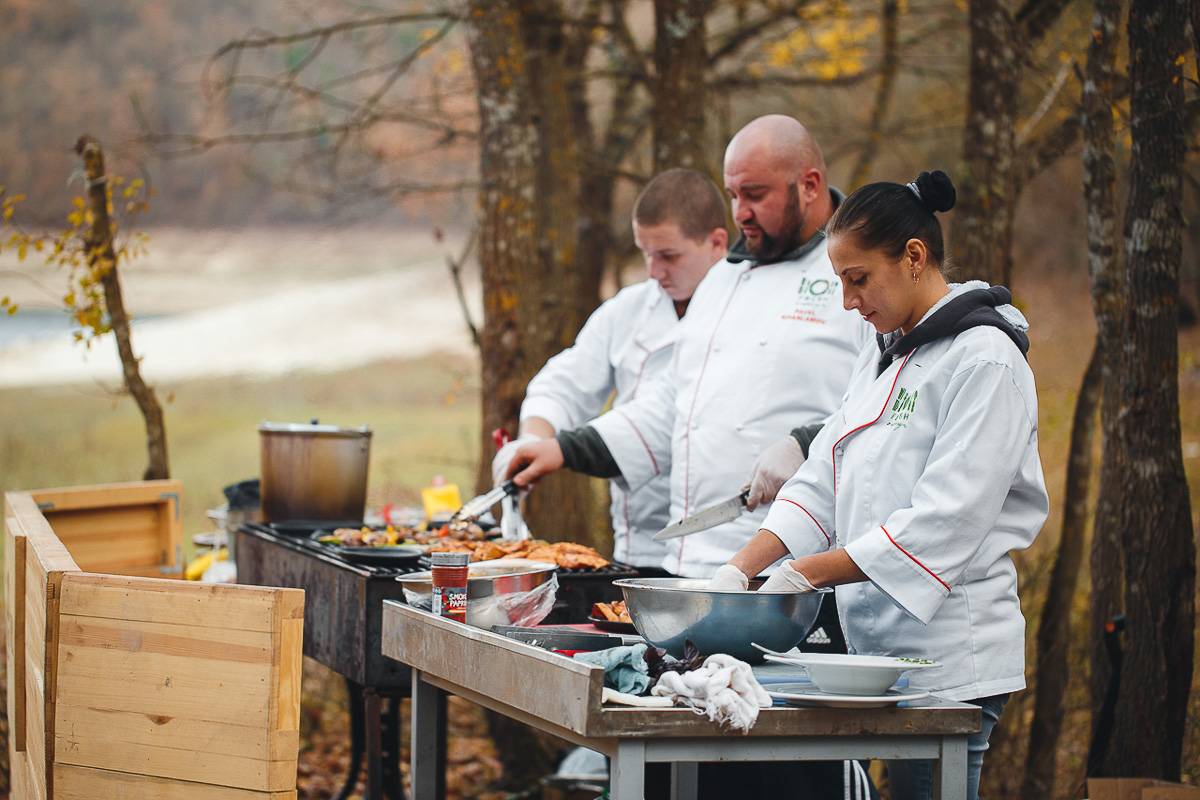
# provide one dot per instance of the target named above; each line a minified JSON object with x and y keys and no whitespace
{"x":847,"y":681}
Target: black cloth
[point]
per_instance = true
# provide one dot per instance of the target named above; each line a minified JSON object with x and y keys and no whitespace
{"x":973,"y":309}
{"x":584,"y":451}
{"x":804,"y":436}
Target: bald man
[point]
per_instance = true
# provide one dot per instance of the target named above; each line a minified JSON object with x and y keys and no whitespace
{"x":765,"y":347}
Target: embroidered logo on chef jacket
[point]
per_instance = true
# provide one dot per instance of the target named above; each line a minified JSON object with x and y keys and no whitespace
{"x":903,"y":407}
{"x":813,"y":298}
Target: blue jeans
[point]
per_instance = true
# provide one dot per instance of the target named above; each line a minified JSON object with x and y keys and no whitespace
{"x":913,"y":780}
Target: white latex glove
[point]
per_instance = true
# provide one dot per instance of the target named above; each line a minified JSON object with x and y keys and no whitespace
{"x":504,"y":456}
{"x":728,"y":578}
{"x":774,"y":467}
{"x":786,"y":579}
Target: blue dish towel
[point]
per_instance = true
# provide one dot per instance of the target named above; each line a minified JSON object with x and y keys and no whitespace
{"x":625,"y":668}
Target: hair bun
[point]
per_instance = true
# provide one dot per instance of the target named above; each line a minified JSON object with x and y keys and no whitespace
{"x":936,"y":190}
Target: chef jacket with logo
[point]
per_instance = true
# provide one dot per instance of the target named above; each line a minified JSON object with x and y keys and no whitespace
{"x":625,"y":345}
{"x":929,"y":476}
{"x":763,"y":349}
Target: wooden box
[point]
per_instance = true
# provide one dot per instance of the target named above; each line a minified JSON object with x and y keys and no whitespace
{"x":124,"y":686}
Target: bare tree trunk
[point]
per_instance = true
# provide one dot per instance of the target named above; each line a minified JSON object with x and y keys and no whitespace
{"x":680,"y":109}
{"x":101,"y":253}
{"x":536,"y":296}
{"x":1099,"y":190}
{"x":999,"y":42}
{"x":1154,"y":511}
{"x":1054,"y":630}
{"x":538,"y":286}
{"x":889,"y":62}
{"x":986,"y":190}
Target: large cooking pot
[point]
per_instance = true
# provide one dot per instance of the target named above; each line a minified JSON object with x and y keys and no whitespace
{"x":313,"y":472}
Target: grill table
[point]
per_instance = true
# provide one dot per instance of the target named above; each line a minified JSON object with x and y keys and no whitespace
{"x":561,"y":696}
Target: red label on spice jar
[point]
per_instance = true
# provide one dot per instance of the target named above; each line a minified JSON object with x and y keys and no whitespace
{"x":450,"y":601}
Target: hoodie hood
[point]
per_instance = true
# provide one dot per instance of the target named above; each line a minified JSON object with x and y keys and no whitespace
{"x":968,"y":305}
{"x":738,"y":252}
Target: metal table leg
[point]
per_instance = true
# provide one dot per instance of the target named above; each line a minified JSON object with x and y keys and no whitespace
{"x":627,"y":771}
{"x":428,"y":743}
{"x":355,"y":706}
{"x":685,"y":780}
{"x":950,"y":774}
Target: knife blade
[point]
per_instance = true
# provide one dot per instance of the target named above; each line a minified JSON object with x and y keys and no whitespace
{"x":722,"y":512}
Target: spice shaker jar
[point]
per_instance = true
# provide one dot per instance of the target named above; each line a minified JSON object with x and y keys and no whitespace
{"x":449,"y":579}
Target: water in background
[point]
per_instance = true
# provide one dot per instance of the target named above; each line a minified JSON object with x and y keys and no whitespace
{"x":30,"y":325}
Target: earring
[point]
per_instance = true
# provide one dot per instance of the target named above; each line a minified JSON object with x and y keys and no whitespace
{"x":916,"y":278}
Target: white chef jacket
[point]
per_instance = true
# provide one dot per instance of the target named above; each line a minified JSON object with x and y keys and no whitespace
{"x":929,"y":476}
{"x":762,"y":350}
{"x":625,"y":345}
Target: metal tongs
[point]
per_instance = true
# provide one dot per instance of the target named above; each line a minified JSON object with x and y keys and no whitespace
{"x":512,"y":524}
{"x":478,"y":505}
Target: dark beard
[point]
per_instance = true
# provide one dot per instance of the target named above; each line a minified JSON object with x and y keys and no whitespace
{"x":772,"y":248}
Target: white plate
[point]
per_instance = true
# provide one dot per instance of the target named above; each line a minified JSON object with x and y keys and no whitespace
{"x":810,"y":695}
{"x":857,"y":675}
{"x":843,"y":660}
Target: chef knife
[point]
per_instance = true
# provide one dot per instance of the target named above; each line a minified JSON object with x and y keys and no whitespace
{"x":710,"y":517}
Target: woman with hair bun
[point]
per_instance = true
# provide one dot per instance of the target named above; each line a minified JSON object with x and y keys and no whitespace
{"x":916,"y":491}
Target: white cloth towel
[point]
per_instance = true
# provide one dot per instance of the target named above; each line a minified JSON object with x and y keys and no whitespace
{"x":723,"y":689}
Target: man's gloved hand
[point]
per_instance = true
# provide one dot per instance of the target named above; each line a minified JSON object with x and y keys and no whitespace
{"x":728,"y":578}
{"x":532,"y":460}
{"x":504,"y":456}
{"x":774,"y":466}
{"x":787,"y":579}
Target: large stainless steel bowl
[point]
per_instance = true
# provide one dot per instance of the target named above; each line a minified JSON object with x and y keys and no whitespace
{"x":670,"y":611}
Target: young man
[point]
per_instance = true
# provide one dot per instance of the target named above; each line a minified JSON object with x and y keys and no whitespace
{"x":626,"y":345}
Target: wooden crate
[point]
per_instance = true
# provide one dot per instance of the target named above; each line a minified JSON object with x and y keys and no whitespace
{"x":119,"y":528}
{"x":133,"y":687}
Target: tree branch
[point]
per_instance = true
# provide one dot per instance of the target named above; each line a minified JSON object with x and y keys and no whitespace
{"x":729,"y":42}
{"x":888,"y":64}
{"x":455,"y":266}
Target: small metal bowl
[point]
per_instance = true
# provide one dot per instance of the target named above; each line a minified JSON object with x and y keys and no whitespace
{"x":486,"y":578}
{"x":670,"y":611}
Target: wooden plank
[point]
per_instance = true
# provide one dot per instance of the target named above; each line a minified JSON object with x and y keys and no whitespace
{"x":553,"y":687}
{"x":104,"y":539}
{"x":105,"y":494}
{"x":50,"y":551}
{"x":20,"y":781}
{"x":118,"y":526}
{"x":150,"y":600}
{"x":160,"y":685}
{"x":84,"y":783}
{"x":151,"y":686}
{"x":14,"y":632}
{"x":46,"y":560}
{"x":289,"y":661}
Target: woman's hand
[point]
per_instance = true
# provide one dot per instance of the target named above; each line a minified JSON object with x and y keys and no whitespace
{"x":787,"y":579}
{"x":728,"y":578}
